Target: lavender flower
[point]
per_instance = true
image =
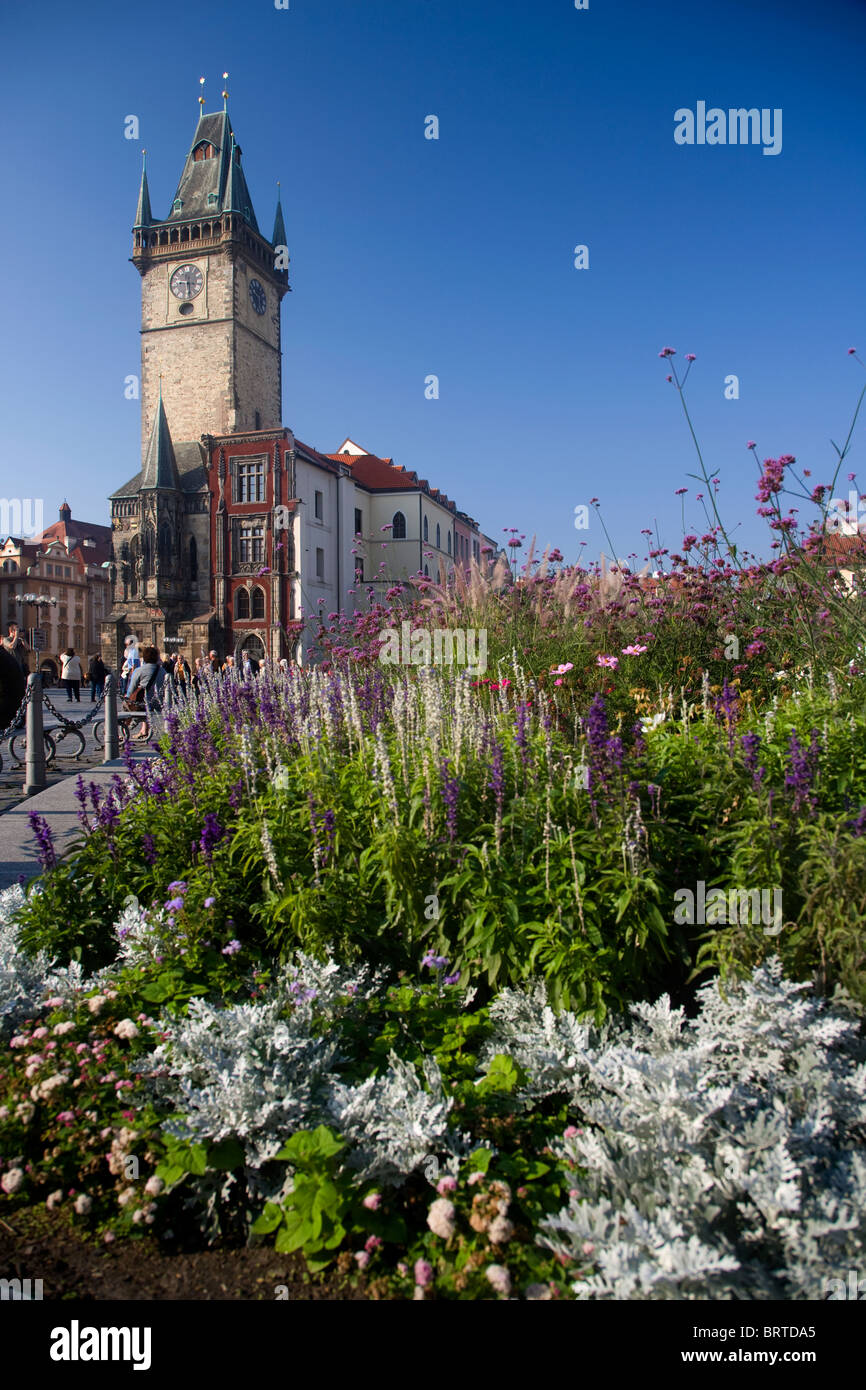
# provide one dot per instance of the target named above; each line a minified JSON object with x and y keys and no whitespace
{"x":450,"y":797}
{"x":212,"y":833}
{"x":148,"y":849}
{"x":44,"y":839}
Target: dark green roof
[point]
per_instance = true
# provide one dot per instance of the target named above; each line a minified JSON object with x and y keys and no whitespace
{"x":217,"y":184}
{"x":190,"y":466}
{"x":143,"y":214}
{"x":279,"y":237}
{"x":160,"y":465}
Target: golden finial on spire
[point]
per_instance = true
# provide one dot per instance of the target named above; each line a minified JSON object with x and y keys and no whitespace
{"x":225,"y":92}
{"x":201,"y":98}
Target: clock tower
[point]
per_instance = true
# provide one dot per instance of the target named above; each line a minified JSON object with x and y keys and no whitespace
{"x":210,"y":298}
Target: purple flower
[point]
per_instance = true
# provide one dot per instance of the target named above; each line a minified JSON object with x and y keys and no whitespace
{"x":44,"y":840}
{"x":434,"y":962}
{"x":209,"y":902}
{"x":212,"y":833}
{"x":802,"y":770}
{"x":178,"y":886}
{"x":451,"y":979}
{"x":232,"y":948}
{"x":450,"y":797}
{"x":148,"y":849}
{"x":175,"y":905}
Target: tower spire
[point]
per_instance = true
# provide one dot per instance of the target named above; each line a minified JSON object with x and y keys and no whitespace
{"x":143,"y":215}
{"x":279,"y":237}
{"x":225,"y":92}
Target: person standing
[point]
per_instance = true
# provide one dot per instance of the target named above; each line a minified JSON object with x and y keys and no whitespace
{"x":96,"y":673}
{"x":16,"y":646}
{"x":71,"y":675}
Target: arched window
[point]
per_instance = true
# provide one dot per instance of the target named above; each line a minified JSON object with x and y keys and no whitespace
{"x":258,"y":603}
{"x":193,"y":559}
{"x":438,"y":537}
{"x":253,"y":647}
{"x":426,"y":530}
{"x":398,"y":531}
{"x":203,"y":151}
{"x":242,"y":604}
{"x":449,"y":542}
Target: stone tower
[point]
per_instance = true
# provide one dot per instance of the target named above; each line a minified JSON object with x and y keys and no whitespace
{"x":210,"y":298}
{"x":211,"y":288}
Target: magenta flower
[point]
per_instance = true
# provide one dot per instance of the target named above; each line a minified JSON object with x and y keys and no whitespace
{"x":423,"y":1273}
{"x":634,"y":650}
{"x":668,"y":352}
{"x":690,"y":357}
{"x":611,"y":662}
{"x":750,"y":444}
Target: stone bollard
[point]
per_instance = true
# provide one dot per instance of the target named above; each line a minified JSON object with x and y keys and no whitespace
{"x":35,"y":778}
{"x":112,"y":740}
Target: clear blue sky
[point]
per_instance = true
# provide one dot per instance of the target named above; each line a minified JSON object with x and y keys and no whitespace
{"x":455,"y":257}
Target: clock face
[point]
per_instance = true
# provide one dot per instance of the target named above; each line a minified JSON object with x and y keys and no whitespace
{"x":186,"y":282}
{"x":258,"y":298}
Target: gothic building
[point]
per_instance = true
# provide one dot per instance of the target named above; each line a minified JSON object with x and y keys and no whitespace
{"x":233,"y":529}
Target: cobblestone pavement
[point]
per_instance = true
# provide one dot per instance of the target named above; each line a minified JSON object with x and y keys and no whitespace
{"x":65,"y":764}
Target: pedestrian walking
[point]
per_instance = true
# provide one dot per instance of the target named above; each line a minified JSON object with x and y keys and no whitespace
{"x":71,"y":675}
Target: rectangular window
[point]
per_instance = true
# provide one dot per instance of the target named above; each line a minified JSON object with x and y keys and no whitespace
{"x":251,"y":543}
{"x":249,"y":481}
{"x":320,"y":563}
{"x":359,"y":525}
{"x":318,"y":506}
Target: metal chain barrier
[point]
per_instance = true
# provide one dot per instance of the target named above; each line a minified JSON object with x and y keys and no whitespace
{"x":17,"y":718}
{"x":73,"y":723}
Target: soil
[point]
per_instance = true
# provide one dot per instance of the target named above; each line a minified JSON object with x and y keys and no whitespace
{"x":39,"y":1244}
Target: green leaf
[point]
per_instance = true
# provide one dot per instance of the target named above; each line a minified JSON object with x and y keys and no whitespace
{"x":226,"y":1155}
{"x":268,"y":1221}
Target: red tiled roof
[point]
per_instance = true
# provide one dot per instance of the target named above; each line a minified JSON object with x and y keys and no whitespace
{"x":71,"y":533}
{"x":837,"y":546}
{"x":379,"y":474}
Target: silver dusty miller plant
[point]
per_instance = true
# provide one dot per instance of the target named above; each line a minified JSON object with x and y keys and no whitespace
{"x":395,"y":1122}
{"x":719,"y":1158}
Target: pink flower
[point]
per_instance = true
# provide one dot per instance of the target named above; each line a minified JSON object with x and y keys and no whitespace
{"x":611,"y":662}
{"x":373,"y":1201}
{"x":446,"y":1184}
{"x":40,"y":1032}
{"x":690,"y":357}
{"x":372,"y":1243}
{"x":571,"y":1132}
{"x":633,"y":650}
{"x":363,"y":1258}
{"x":750,"y":444}
{"x":423,"y":1273}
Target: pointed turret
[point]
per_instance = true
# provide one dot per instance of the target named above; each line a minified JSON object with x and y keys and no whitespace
{"x":234,"y":200}
{"x":160,"y":465}
{"x":143,"y":214}
{"x":213,"y":180}
{"x":279,"y":237}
